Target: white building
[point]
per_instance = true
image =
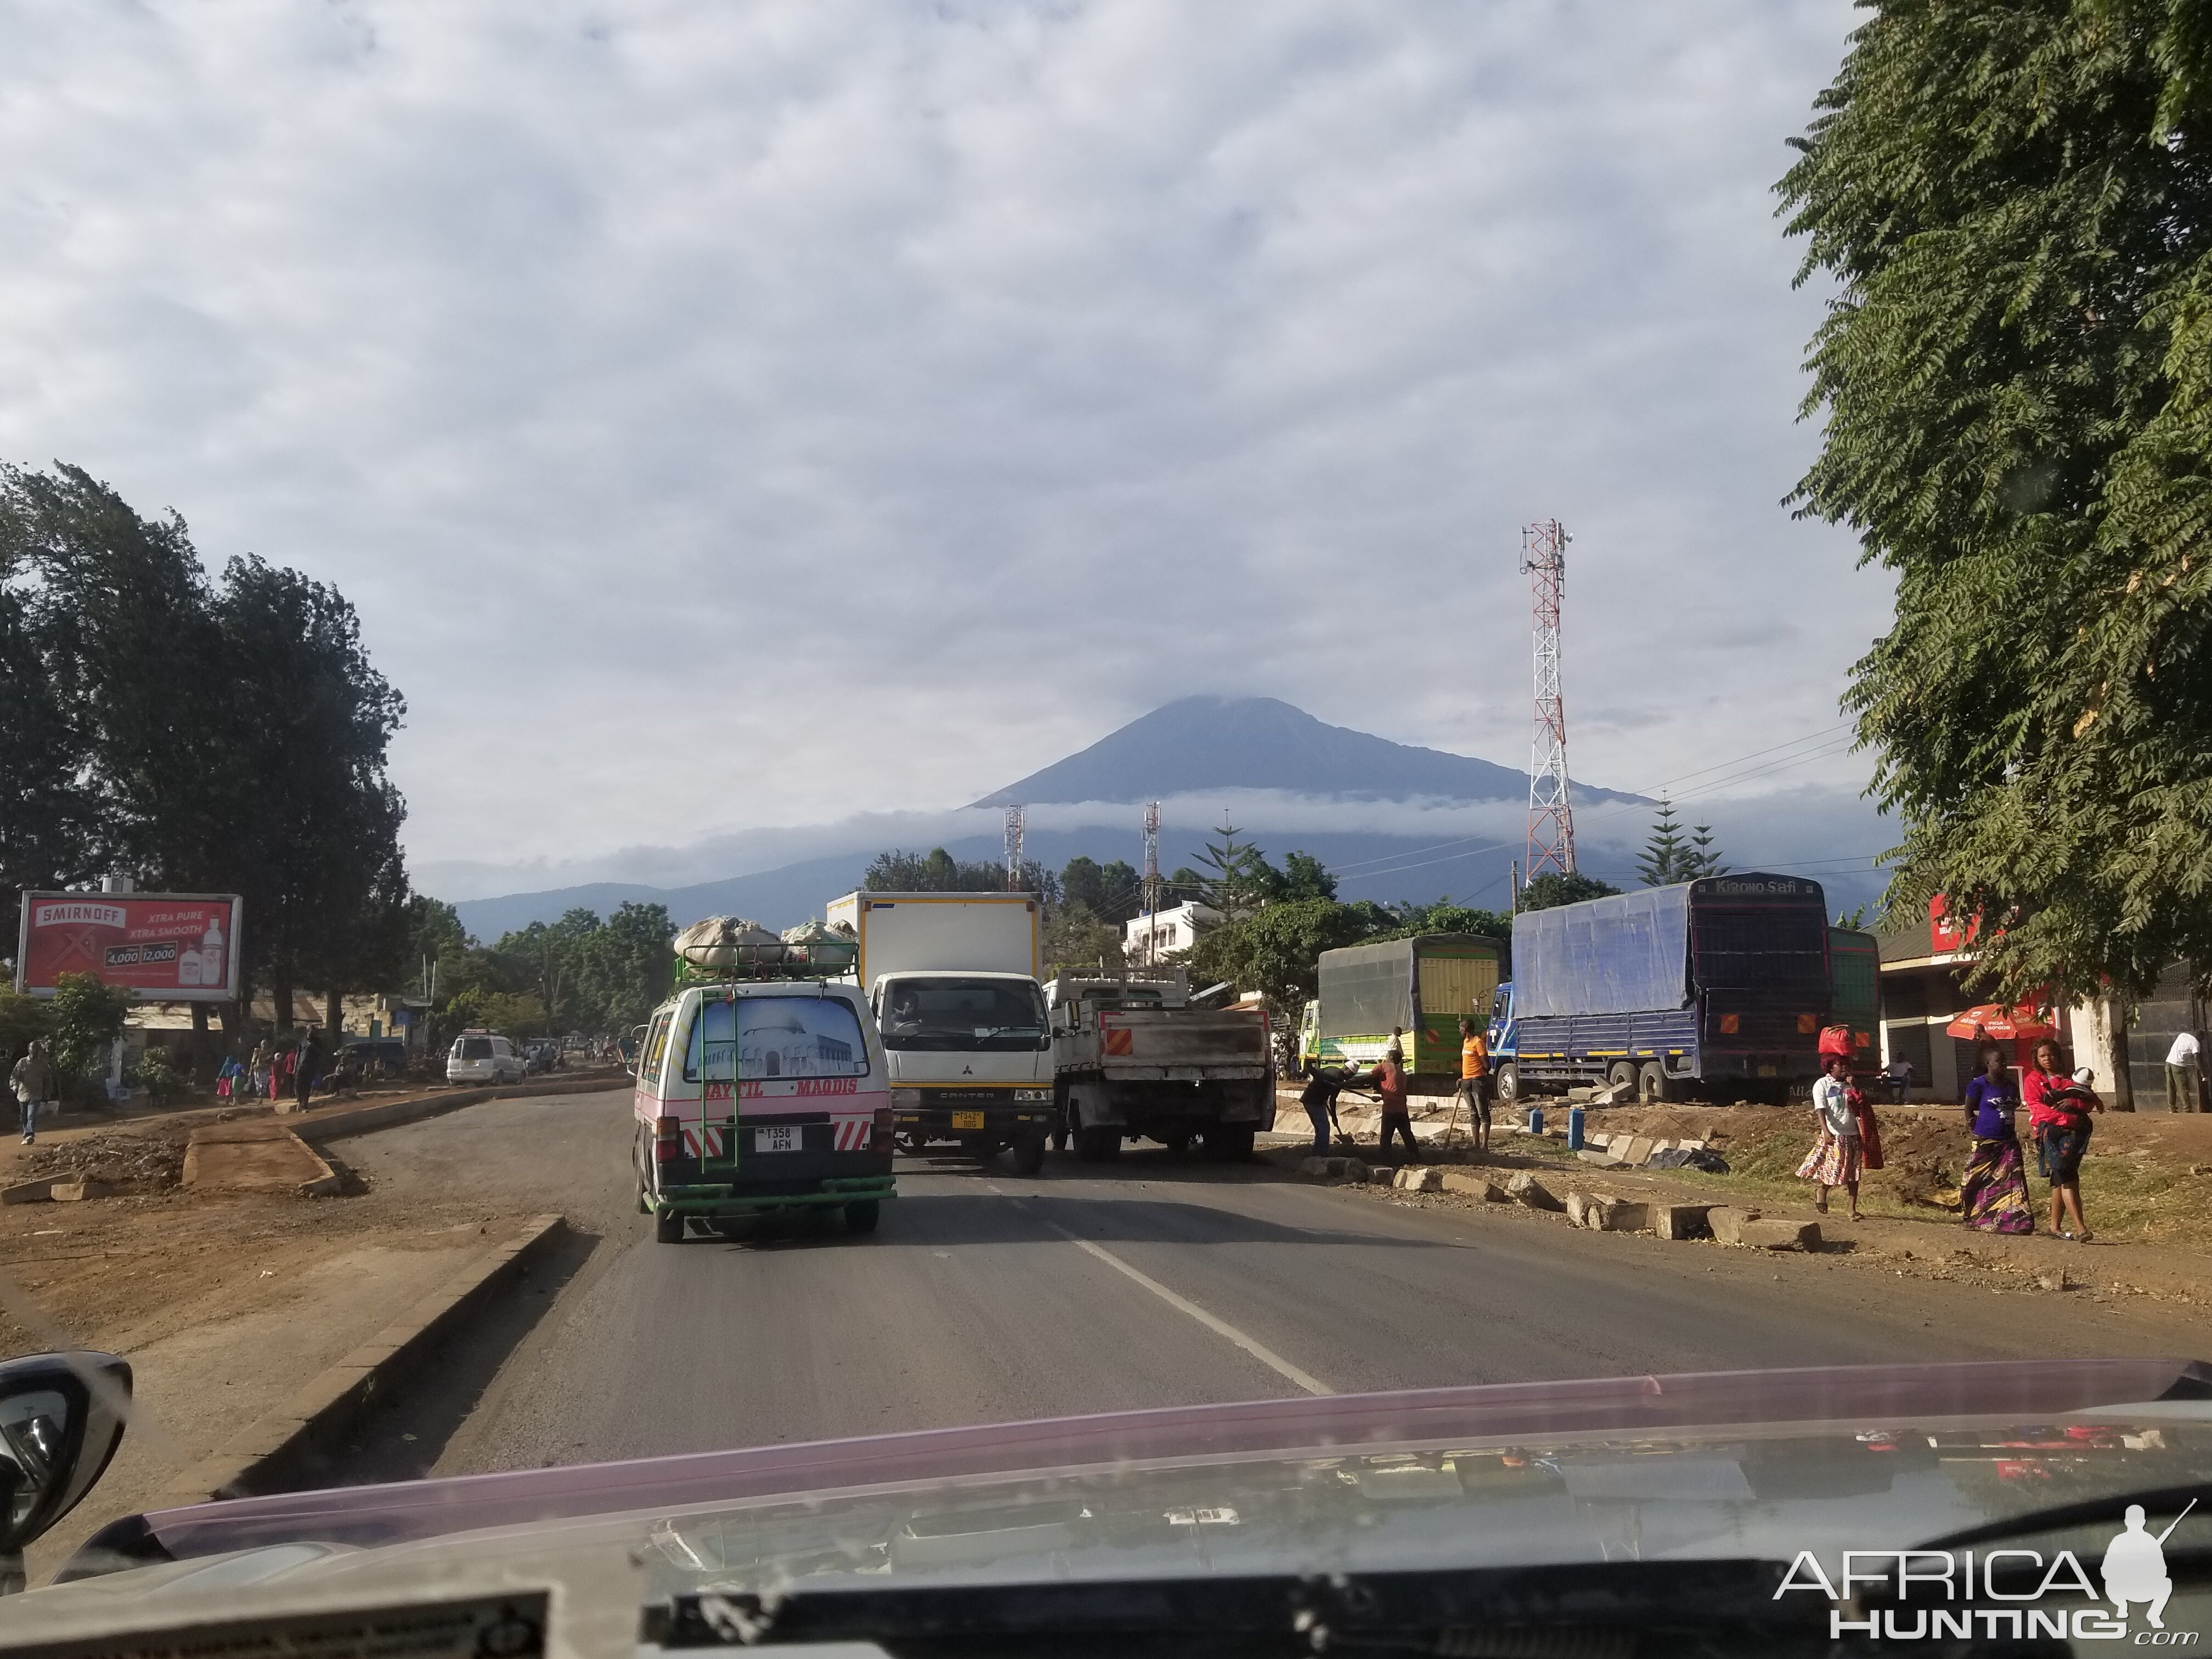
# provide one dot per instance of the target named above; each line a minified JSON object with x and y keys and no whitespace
{"x":1171,"y":930}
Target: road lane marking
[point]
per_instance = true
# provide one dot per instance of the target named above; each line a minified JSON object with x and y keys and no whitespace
{"x":1265,"y":1355}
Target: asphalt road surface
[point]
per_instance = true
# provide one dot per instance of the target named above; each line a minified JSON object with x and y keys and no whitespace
{"x":985,"y":1297}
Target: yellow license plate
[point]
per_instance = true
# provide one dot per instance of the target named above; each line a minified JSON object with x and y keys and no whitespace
{"x":967,"y":1120}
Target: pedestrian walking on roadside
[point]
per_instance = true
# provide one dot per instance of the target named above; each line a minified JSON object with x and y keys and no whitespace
{"x":1838,"y":1153}
{"x":35,"y":1084}
{"x":1389,"y":1083}
{"x":2058,"y":1109}
{"x":1323,"y":1084}
{"x":2184,"y":1076}
{"x":1474,"y":1087}
{"x":1395,"y":1053}
{"x":1994,"y":1192}
{"x":257,"y":1071}
{"x":309,"y":1063}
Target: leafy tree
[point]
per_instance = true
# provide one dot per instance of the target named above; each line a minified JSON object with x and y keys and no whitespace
{"x":2016,"y":381}
{"x":50,"y":819}
{"x":934,"y":871}
{"x":1852,"y":919}
{"x":86,"y":1019}
{"x":1111,"y":892}
{"x":1302,"y":876}
{"x":628,"y":965}
{"x":234,"y":735}
{"x":1077,"y":938}
{"x":1551,"y":889}
{"x":23,"y":1018}
{"x":1277,"y":950}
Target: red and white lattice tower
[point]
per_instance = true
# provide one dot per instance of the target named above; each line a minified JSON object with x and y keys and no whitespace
{"x":1152,"y":873}
{"x":1014,"y":816}
{"x":1551,"y":814}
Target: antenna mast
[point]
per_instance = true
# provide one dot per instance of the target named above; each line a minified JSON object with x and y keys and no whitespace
{"x":1551,"y":814}
{"x":1152,"y":873}
{"x":1013,"y":849}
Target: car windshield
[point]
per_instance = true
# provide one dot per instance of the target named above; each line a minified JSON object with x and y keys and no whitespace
{"x":951,"y":1014}
{"x":729,"y":730}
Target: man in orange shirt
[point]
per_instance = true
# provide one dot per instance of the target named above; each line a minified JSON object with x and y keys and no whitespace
{"x":1474,"y":1081}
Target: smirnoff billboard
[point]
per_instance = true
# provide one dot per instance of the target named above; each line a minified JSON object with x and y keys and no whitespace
{"x":163,"y":947}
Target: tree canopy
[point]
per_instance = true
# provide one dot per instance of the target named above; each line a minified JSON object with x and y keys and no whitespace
{"x":2015,"y":375}
{"x":1671,"y":856}
{"x":1551,"y":889}
{"x":225,"y":736}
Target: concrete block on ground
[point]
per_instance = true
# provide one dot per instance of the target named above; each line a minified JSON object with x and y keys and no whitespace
{"x":1597,"y":1138}
{"x":1579,"y":1206}
{"x":1604,"y":1160}
{"x":1523,"y":1187}
{"x":1333,"y":1167}
{"x":1680,"y":1220}
{"x":1474,"y":1185}
{"x":1747,"y":1227}
{"x":1356,"y":1172}
{"x":1419,"y":1178}
{"x":27,"y":1192}
{"x":1314,"y":1168}
{"x":1622,"y":1215}
{"x":71,"y":1192}
{"x":1689,"y":1145}
{"x":1639,"y":1148}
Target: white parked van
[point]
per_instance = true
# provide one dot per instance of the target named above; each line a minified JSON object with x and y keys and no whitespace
{"x":480,"y":1057}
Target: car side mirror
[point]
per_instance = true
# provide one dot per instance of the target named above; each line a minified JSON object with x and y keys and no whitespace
{"x":61,"y":1418}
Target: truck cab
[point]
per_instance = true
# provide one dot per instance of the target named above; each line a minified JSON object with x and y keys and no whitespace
{"x":758,"y":1097}
{"x":1504,"y":1044}
{"x":970,"y":1057}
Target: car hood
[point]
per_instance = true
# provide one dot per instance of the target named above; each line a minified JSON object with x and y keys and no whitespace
{"x":1732,"y":1465}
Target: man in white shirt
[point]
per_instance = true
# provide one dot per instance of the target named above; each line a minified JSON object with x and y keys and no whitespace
{"x":2184,"y":1093}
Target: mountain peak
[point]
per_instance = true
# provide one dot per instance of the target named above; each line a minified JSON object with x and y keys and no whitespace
{"x":1200,"y":743}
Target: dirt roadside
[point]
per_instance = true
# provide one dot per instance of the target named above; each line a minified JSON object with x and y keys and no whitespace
{"x":2146,"y":1185}
{"x":224,"y":1301}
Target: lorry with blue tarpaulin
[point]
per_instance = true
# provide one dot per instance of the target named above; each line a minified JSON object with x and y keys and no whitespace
{"x":1717,"y":987}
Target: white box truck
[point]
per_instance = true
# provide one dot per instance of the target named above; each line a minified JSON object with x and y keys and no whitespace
{"x":1135,"y":1058}
{"x":952,"y":980}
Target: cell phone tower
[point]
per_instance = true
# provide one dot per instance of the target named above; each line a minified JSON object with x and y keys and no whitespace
{"x":1152,"y":873}
{"x":1551,"y":813}
{"x":1013,"y":849}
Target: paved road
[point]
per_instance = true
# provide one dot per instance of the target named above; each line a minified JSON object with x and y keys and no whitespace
{"x":986,"y":1296}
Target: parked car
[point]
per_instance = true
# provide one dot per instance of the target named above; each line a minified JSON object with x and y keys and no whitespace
{"x":378,"y":1057}
{"x":480,"y":1057}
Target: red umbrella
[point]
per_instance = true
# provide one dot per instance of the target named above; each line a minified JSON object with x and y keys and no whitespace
{"x":2000,"y":1023}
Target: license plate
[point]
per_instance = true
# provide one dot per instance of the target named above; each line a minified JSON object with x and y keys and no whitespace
{"x":967,"y":1120}
{"x":782,"y":1139}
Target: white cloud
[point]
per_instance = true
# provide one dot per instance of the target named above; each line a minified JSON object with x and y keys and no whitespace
{"x":735,"y":417}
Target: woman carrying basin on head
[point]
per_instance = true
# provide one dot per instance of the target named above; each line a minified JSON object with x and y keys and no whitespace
{"x":1994,"y":1194}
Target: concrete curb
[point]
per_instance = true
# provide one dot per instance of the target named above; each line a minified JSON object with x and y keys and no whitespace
{"x":323,"y":1125}
{"x":284,"y":1447}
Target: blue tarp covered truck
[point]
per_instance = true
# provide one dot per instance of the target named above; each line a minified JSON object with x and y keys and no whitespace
{"x":1715,"y":988}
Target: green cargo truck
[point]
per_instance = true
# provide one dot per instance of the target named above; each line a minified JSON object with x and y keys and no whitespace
{"x":1424,"y":984}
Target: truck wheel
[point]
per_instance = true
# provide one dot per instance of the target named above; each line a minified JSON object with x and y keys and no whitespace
{"x":861,"y":1218}
{"x":1653,"y":1086}
{"x":1228,"y":1143}
{"x":1097,"y":1143}
{"x":1029,"y":1154}
{"x":1508,"y":1083}
{"x":1620,"y":1077}
{"x":668,"y":1229}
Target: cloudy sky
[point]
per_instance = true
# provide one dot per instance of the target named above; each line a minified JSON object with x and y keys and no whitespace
{"x":757,"y":412}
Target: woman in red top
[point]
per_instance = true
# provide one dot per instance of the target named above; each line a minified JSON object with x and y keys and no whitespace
{"x":2059,"y":1109}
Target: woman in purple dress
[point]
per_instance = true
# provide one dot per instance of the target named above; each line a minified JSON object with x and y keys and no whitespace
{"x":1993,"y":1193}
